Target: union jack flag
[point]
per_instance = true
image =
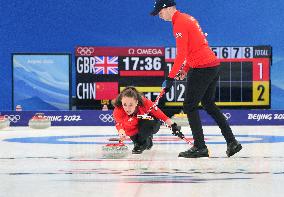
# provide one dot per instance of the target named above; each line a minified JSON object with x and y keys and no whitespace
{"x":106,"y":65}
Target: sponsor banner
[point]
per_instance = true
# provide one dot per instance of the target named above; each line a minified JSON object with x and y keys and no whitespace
{"x":248,"y":117}
{"x":63,"y":118}
{"x":105,"y":118}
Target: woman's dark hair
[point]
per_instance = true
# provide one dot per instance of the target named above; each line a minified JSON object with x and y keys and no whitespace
{"x":131,"y":92}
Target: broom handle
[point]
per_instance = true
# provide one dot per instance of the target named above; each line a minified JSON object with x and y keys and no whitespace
{"x":156,"y":101}
{"x":163,"y":92}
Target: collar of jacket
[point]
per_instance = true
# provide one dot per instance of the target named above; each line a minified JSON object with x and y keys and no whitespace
{"x":175,"y":16}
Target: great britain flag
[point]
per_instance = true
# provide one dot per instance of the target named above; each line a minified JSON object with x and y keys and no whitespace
{"x":106,"y":65}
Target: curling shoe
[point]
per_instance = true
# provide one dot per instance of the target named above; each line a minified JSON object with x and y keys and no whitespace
{"x":138,"y":149}
{"x":149,"y":142}
{"x":195,"y":152}
{"x":233,"y":147}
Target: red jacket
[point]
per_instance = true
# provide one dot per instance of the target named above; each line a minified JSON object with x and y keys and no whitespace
{"x":130,"y":123}
{"x":191,"y":45}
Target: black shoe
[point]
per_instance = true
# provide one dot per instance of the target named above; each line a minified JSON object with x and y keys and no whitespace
{"x":149,"y":142}
{"x":233,"y":148}
{"x":138,"y":149}
{"x":194,"y":152}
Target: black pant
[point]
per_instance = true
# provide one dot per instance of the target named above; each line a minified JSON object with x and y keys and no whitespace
{"x":201,"y":87}
{"x":146,"y":128}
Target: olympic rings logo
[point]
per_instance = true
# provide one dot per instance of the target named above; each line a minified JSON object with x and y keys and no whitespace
{"x":227,"y":115}
{"x":106,"y":117}
{"x":13,"y":118}
{"x":85,"y":50}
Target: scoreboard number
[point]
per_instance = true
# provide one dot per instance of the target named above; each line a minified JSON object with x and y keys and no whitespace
{"x":233,"y":52}
{"x":181,"y":92}
{"x":142,"y":63}
{"x":261,"y":88}
{"x":176,"y":94}
{"x":261,"y":93}
{"x":260,"y":70}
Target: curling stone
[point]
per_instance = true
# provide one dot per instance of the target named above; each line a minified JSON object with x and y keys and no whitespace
{"x":115,"y":151}
{"x":39,"y":121}
{"x":4,"y":122}
{"x":180,"y":119}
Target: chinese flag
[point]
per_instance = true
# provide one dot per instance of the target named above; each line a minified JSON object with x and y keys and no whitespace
{"x":106,"y":90}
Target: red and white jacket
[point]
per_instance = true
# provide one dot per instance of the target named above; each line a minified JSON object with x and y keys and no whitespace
{"x":191,"y":45}
{"x":130,"y":123}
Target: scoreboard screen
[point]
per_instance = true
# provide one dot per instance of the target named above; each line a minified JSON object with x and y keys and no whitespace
{"x":102,"y":72}
{"x":244,"y":80}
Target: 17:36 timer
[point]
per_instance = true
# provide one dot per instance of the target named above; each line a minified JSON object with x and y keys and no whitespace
{"x":141,"y":63}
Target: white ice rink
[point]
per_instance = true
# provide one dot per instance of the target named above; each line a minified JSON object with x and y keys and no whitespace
{"x":68,"y":162}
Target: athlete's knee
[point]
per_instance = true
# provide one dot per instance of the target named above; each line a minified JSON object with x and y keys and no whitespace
{"x":143,"y":123}
{"x":209,"y":105}
{"x":149,"y":126}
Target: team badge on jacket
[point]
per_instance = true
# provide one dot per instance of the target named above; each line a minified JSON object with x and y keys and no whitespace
{"x":178,"y":35}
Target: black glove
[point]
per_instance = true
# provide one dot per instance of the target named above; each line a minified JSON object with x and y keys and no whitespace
{"x":168,"y":83}
{"x":176,"y":131}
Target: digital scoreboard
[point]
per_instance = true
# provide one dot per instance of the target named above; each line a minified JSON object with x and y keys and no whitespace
{"x":244,"y":80}
{"x":102,"y":72}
